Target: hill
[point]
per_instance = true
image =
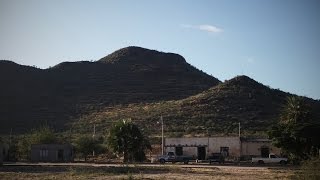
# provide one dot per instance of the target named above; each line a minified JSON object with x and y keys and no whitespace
{"x":31,"y":97}
{"x":216,"y":111}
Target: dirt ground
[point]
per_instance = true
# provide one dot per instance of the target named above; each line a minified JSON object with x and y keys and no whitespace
{"x":143,"y":172}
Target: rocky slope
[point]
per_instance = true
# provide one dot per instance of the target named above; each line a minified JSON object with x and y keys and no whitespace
{"x":216,"y":111}
{"x":31,"y":97}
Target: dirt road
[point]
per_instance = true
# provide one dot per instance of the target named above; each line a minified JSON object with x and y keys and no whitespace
{"x":34,"y":171}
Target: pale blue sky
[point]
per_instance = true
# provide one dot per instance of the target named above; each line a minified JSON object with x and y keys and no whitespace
{"x":276,"y":42}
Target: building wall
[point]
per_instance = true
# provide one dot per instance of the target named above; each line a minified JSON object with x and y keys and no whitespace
{"x":253,"y":148}
{"x":50,"y":153}
{"x":1,"y":154}
{"x":4,"y":152}
{"x":236,"y":147}
{"x":190,"y":145}
{"x":233,"y":143}
{"x":211,"y":144}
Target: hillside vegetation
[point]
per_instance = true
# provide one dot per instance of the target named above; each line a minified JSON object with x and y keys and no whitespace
{"x":139,"y":84}
{"x":31,"y":97}
{"x":216,"y":111}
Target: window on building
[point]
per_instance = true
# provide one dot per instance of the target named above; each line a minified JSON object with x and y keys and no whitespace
{"x":179,"y":151}
{"x":224,"y":151}
{"x":44,"y":153}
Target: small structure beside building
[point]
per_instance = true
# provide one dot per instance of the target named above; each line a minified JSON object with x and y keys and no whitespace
{"x":257,"y":147}
{"x":1,"y":154}
{"x":52,"y":153}
{"x":230,"y":147}
{"x":5,"y":152}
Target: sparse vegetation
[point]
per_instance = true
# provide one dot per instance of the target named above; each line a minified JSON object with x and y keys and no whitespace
{"x":86,"y":145}
{"x":72,"y":89}
{"x":310,"y":170}
{"x":139,"y":172}
{"x":216,"y":111}
{"x":43,"y":135}
{"x":122,"y":85}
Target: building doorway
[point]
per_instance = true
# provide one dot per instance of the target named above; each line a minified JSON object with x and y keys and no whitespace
{"x":265,"y":151}
{"x":60,"y":155}
{"x":201,"y":153}
{"x":179,"y":151}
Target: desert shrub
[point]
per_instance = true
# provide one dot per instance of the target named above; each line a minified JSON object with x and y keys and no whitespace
{"x":86,"y":145}
{"x":310,"y":170}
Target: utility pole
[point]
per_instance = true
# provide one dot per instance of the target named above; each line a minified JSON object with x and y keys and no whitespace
{"x":10,"y":137}
{"x":239,"y":129}
{"x":162,"y":144}
{"x":93,"y":136}
{"x":240,"y":143}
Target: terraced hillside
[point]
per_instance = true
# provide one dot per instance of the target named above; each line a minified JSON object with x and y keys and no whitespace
{"x":31,"y":97}
{"x":215,"y":111}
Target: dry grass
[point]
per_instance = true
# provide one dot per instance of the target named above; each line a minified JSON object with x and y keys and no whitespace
{"x":138,"y":172}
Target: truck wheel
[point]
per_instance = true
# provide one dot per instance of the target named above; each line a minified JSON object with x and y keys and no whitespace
{"x":162,"y":161}
{"x":186,"y":162}
{"x":283,"y":162}
{"x":260,"y":162}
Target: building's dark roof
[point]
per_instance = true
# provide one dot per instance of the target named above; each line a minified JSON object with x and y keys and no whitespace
{"x":51,"y":146}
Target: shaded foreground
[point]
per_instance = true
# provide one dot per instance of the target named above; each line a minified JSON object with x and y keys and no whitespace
{"x":143,"y":172}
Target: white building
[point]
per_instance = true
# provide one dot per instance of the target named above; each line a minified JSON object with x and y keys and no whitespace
{"x":231,"y":147}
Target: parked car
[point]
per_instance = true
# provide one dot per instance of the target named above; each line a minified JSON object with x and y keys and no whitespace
{"x":216,"y":157}
{"x":172,"y":157}
{"x":271,"y":159}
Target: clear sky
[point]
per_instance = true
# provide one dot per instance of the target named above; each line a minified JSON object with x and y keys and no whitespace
{"x":275,"y":42}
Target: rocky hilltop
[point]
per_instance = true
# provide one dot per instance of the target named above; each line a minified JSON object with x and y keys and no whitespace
{"x":31,"y":97}
{"x":139,"y":84}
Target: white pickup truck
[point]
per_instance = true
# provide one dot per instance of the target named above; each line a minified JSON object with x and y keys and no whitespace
{"x":172,"y":157}
{"x":271,"y":159}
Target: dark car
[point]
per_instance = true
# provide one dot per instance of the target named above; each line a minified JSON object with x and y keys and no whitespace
{"x":216,"y":157}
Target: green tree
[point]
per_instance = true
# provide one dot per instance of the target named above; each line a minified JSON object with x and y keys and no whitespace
{"x":126,"y":139}
{"x":43,"y":135}
{"x":296,"y":133}
{"x":86,"y":145}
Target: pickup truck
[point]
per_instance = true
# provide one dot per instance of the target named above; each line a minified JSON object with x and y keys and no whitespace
{"x":172,"y":157}
{"x":271,"y":159}
{"x":216,"y":157}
